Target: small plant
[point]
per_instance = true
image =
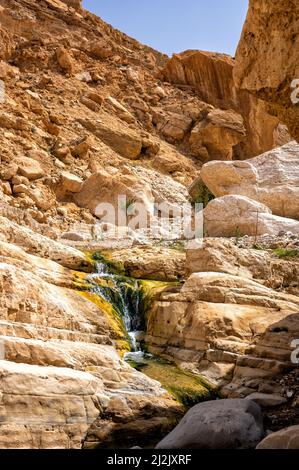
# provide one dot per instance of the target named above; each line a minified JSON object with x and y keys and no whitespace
{"x":238,"y":234}
{"x":201,"y":194}
{"x":286,"y":253}
{"x":259,"y":247}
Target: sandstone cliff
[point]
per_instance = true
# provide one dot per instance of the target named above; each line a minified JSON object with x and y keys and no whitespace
{"x":268,"y":56}
{"x":211,"y":75}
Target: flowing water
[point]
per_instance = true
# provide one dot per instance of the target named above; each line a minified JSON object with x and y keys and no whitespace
{"x":126,"y":297}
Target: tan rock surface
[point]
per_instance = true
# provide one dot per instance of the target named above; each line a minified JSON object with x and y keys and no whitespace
{"x":230,"y":329}
{"x":211,"y":74}
{"x":267,"y":57}
{"x":271,"y":179}
{"x":236,"y":216}
{"x":217,"y":135}
{"x":60,"y":371}
{"x":258,"y":263}
{"x":287,"y":438}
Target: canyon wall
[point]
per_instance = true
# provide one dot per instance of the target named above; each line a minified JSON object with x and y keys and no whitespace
{"x":267,"y":59}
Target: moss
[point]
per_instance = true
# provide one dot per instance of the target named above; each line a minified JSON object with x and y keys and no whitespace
{"x":114,"y":267}
{"x":114,"y":320}
{"x":189,"y":389}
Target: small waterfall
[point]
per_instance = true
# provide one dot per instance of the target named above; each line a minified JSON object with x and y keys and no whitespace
{"x":125,"y":295}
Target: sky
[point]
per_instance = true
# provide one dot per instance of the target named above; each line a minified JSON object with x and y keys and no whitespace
{"x":176,"y":25}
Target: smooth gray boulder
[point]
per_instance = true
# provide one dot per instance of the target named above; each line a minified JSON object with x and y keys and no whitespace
{"x":220,"y":424}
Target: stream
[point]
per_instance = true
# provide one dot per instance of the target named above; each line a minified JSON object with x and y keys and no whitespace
{"x":129,"y":300}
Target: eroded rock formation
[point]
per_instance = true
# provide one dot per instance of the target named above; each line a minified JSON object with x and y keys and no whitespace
{"x":211,"y":75}
{"x":267,"y":58}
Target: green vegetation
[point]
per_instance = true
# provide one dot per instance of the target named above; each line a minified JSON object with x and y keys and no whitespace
{"x":259,"y":247}
{"x":286,"y":253}
{"x":189,"y":389}
{"x":201,"y":194}
{"x":238,"y":234}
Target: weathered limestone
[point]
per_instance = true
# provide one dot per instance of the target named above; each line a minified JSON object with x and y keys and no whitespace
{"x":229,"y":329}
{"x":271,"y":179}
{"x":287,"y":438}
{"x":236,"y":216}
{"x":214,"y":137}
{"x":211,"y":74}
{"x":267,"y":57}
{"x":60,"y":371}
{"x":121,"y":139}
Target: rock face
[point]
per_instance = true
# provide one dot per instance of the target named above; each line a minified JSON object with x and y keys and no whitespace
{"x":225,"y":256}
{"x":222,"y":424}
{"x":285,"y":439}
{"x":236,"y":216}
{"x":86,"y":117}
{"x":212,"y":76}
{"x":267,"y":58}
{"x":215,"y":137}
{"x":271,"y":179}
{"x":231,"y":329}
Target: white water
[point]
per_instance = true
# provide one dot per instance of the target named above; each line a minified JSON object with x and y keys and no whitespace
{"x":130,"y":314}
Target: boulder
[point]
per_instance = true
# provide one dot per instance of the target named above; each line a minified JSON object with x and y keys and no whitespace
{"x":30,"y":168}
{"x":76,"y":4}
{"x":65,"y":60}
{"x":123,"y":140}
{"x":271,"y":178}
{"x":236,"y":216}
{"x":220,"y":424}
{"x":287,"y":438}
{"x":61,"y":374}
{"x":266,"y":400}
{"x":106,"y":188}
{"x":70,"y":183}
{"x":101,"y":49}
{"x":267,"y":58}
{"x":214,"y":137}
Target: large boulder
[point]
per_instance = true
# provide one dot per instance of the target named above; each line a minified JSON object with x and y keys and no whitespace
{"x":123,"y":140}
{"x":271,"y":178}
{"x":287,"y":438}
{"x":211,"y":74}
{"x":105,"y":188}
{"x":268,"y":55}
{"x":218,"y":255}
{"x":123,"y":188}
{"x":35,"y":243}
{"x":236,"y":216}
{"x":221,"y":424}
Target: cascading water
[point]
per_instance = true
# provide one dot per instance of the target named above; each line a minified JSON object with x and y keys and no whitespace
{"x":126,"y":297}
